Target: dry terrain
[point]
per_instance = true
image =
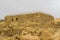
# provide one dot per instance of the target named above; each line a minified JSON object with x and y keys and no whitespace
{"x":34,"y":26}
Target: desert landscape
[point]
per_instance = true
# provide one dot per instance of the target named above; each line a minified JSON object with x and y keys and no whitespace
{"x":33,"y":26}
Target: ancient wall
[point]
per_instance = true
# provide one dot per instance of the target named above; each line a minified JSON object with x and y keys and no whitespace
{"x":32,"y":16}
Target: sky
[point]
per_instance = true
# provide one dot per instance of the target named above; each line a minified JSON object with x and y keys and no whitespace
{"x":13,"y":7}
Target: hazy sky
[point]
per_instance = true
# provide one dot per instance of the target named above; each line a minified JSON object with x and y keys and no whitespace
{"x":9,"y":7}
